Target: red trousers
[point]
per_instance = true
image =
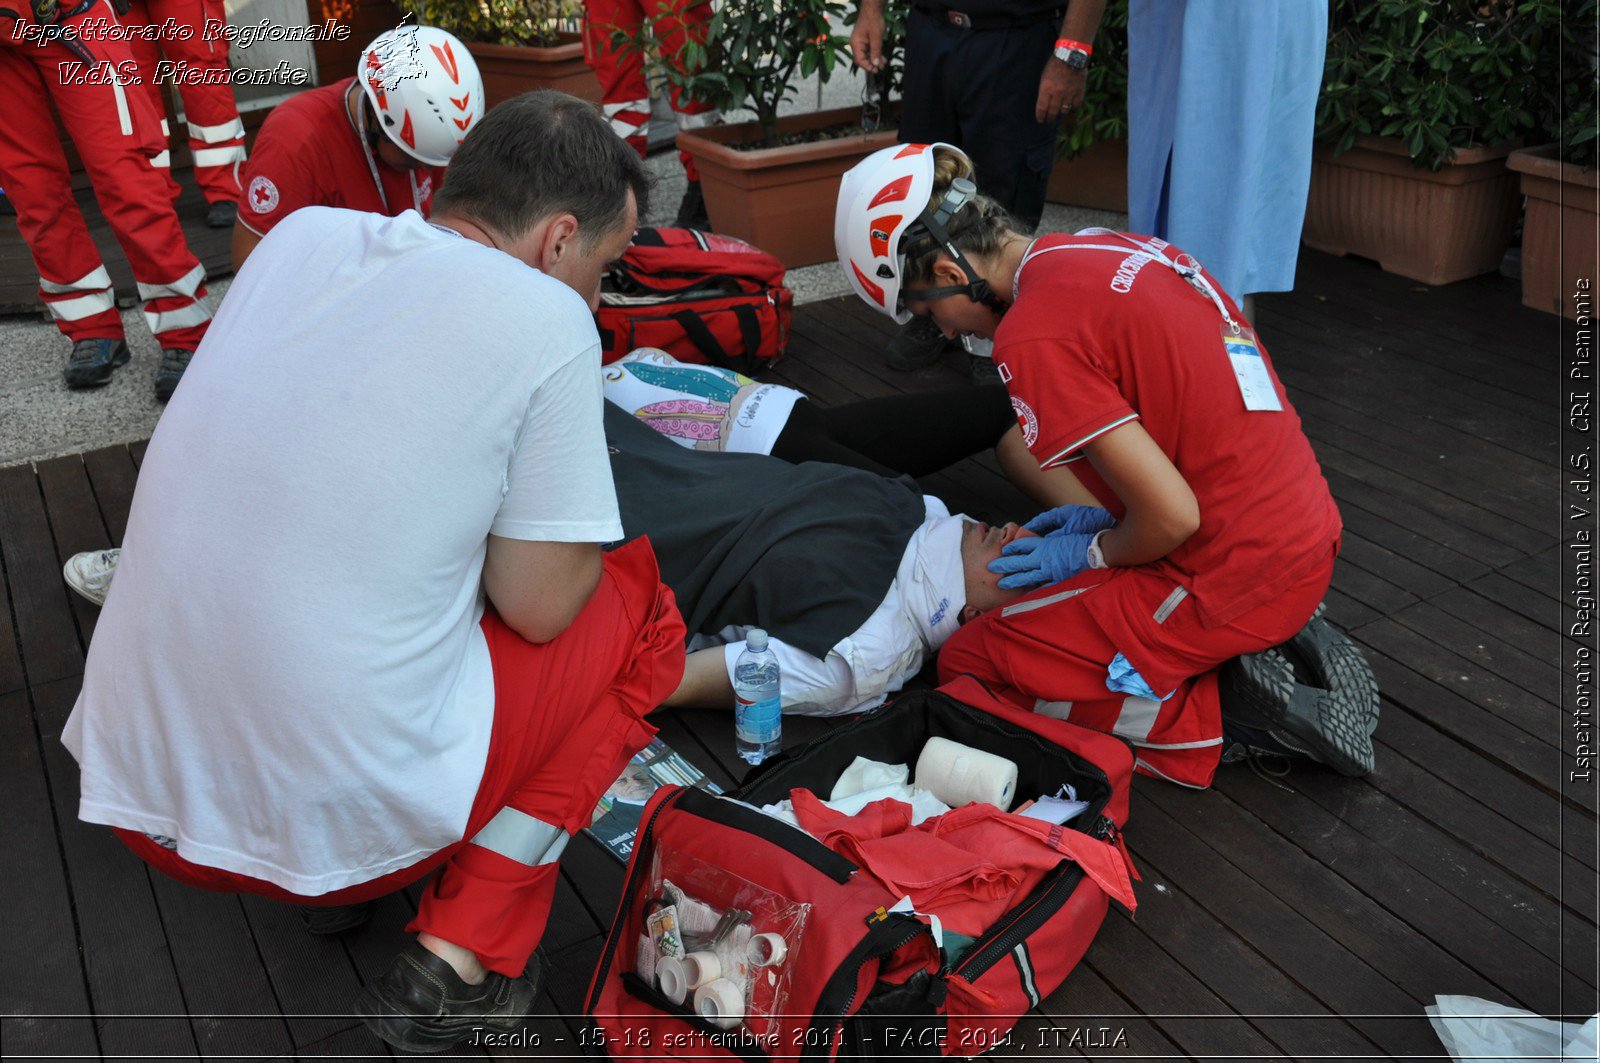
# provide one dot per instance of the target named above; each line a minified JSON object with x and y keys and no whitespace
{"x":624,"y":93}
{"x":568,"y":716}
{"x":216,"y":136}
{"x":1050,"y":653}
{"x":116,"y":133}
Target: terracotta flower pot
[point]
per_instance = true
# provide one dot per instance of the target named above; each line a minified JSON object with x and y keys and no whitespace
{"x":1432,"y":227}
{"x":510,"y":70}
{"x":780,"y":199}
{"x":1561,"y":231}
{"x":1098,"y":178}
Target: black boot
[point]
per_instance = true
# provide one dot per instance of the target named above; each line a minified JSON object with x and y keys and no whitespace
{"x":918,"y":345}
{"x":420,"y":1004}
{"x":220,"y":215}
{"x":692,"y":209}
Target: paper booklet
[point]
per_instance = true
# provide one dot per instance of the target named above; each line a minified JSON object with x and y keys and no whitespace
{"x":616,"y":818}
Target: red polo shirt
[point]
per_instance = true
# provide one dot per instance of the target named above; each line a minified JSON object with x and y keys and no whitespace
{"x":1097,"y":339}
{"x":309,"y":154}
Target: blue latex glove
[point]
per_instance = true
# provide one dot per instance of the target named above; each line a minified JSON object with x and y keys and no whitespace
{"x":1123,"y":678}
{"x":1035,"y":561}
{"x":1078,"y":520}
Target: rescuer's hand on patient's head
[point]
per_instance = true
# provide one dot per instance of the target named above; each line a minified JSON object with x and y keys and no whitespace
{"x":980,"y":544}
{"x":1078,"y":520}
{"x":1033,"y":562}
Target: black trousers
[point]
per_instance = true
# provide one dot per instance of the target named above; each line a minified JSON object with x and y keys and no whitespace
{"x":900,"y":434}
{"x":977,"y":89}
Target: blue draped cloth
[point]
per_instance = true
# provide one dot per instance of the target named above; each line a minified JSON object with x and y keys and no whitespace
{"x":1222,"y":98}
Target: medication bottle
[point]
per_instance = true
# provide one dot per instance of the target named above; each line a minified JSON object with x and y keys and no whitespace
{"x":757,"y":711}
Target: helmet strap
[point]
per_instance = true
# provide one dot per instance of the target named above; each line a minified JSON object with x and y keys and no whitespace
{"x":977,"y":288}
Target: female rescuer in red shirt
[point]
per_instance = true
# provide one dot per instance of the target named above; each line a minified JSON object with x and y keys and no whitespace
{"x":1128,"y":364}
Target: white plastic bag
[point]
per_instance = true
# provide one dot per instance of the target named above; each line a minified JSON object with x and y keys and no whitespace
{"x":1485,"y":1032}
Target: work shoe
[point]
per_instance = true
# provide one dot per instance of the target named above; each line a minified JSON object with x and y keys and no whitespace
{"x":89,"y":573}
{"x":1315,"y":693}
{"x":916,"y":346}
{"x":336,"y":918}
{"x":220,"y":215}
{"x":692,"y":209}
{"x":420,"y":1004}
{"x":91,"y":362}
{"x":174,"y":360}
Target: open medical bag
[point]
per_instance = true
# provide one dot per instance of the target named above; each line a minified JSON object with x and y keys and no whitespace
{"x":856,"y":977}
{"x":703,"y":298}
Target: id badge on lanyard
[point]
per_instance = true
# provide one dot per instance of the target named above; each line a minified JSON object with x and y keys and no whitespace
{"x":1238,"y":341}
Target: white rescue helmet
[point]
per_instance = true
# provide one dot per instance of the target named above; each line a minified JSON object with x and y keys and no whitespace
{"x":880,"y":199}
{"x":425,"y":89}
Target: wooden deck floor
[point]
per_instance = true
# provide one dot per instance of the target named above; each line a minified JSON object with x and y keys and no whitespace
{"x":1311,"y":916}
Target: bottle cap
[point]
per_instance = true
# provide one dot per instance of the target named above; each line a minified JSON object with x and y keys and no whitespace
{"x":755,"y":639}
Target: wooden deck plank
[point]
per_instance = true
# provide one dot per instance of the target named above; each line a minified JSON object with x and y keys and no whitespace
{"x":312,"y":977}
{"x":1304,"y":934}
{"x":1291,"y":1012}
{"x":1429,"y":885}
{"x":41,"y":938}
{"x":43,"y":617}
{"x":121,"y":942}
{"x":1197,"y":1020}
{"x":1085,"y":998}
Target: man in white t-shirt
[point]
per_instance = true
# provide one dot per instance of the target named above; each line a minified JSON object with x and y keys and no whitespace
{"x":362,"y":627}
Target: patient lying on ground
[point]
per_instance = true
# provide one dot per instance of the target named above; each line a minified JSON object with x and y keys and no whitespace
{"x":857,"y":577}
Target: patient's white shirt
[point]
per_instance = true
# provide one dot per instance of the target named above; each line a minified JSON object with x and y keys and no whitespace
{"x":920,"y":611}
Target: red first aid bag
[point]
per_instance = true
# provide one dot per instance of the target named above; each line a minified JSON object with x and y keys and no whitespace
{"x":859,"y":973}
{"x":701,"y":297}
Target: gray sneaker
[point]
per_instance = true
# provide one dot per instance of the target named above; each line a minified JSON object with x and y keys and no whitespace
{"x":1315,"y":693}
{"x":420,"y":1004}
{"x":92,"y":362}
{"x":174,"y":360}
{"x":89,"y":573}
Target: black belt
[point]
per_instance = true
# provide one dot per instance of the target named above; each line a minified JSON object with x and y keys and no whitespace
{"x":983,"y":21}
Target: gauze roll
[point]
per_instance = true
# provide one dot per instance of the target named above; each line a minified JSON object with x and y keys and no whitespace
{"x":672,"y":978}
{"x":767,"y":950}
{"x":701,"y":967}
{"x":960,"y":775}
{"x":721,"y":1003}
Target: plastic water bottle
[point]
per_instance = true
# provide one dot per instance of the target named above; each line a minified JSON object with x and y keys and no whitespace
{"x":757,"y":710}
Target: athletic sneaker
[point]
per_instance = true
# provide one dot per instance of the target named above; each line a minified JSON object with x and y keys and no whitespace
{"x":916,"y":346}
{"x":220,"y":215}
{"x":90,"y":572}
{"x":420,"y":1004}
{"x":174,"y":360}
{"x":1314,"y":694}
{"x":92,"y":361}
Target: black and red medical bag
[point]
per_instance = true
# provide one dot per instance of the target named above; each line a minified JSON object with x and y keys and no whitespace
{"x":703,"y":298}
{"x":859,"y":979}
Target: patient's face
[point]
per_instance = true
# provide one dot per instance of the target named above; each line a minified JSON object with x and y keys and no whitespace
{"x":980,"y":544}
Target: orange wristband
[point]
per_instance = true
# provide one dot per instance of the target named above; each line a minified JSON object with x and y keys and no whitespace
{"x":1076,"y":46}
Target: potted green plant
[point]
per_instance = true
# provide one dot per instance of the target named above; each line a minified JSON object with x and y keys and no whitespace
{"x":519,"y":45}
{"x":1422,"y":101}
{"x":1092,"y":149}
{"x":1562,"y":226}
{"x":769,"y":181}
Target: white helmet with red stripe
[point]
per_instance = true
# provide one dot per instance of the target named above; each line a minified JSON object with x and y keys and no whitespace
{"x":425,"y":89}
{"x":882,"y":197}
